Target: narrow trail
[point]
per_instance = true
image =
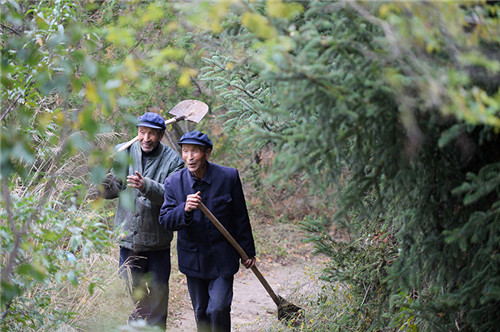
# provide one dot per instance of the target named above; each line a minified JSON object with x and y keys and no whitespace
{"x":252,"y":307}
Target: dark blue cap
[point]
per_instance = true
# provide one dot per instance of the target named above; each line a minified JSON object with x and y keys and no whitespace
{"x":151,"y":120}
{"x":196,"y":137}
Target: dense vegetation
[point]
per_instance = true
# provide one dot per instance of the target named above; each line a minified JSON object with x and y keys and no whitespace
{"x":389,"y":110}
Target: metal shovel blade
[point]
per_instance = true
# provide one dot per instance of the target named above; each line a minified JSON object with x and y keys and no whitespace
{"x":190,"y":110}
{"x":289,"y":312}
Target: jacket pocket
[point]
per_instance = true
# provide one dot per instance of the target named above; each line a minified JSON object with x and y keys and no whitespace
{"x":188,"y":255}
{"x":222,"y":200}
{"x":189,"y":246}
{"x":221,"y":207}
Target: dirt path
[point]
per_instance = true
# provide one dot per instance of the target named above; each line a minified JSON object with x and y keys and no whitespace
{"x":252,"y":308}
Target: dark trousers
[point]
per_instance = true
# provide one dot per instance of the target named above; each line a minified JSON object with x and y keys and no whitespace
{"x":211,"y":299}
{"x":146,"y":274}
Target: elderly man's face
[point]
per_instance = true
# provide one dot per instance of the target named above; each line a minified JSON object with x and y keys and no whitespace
{"x":196,"y":156}
{"x":149,"y":138}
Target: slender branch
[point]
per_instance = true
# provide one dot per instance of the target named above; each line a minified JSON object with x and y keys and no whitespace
{"x":366,"y":294}
{"x":17,"y":236}
{"x":389,"y":34}
{"x":197,"y":85}
{"x":4,"y":313}
{"x":139,"y":41}
{"x":10,"y":29}
{"x":9,"y":108}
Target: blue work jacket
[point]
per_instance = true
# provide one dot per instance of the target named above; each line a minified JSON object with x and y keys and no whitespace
{"x":202,"y":250}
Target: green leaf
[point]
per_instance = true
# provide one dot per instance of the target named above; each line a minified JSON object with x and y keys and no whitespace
{"x":32,"y":270}
{"x":450,"y":134}
{"x":127,"y":199}
{"x":87,"y":121}
{"x":281,"y":9}
{"x":73,"y":277}
{"x":121,"y":36}
{"x":9,"y":291}
{"x":152,"y":13}
{"x":259,"y":25}
{"x":91,"y":288}
{"x":98,"y":173}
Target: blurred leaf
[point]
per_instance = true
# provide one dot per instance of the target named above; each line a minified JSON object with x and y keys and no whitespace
{"x":127,"y":199}
{"x":79,"y":141}
{"x":98,"y":173}
{"x":75,"y":242}
{"x":152,"y":13}
{"x":8,"y":292}
{"x":259,"y":25}
{"x":86,"y":121}
{"x":121,"y":36}
{"x":91,"y":288}
{"x":73,"y":277}
{"x":172,"y":53}
{"x":185,"y":78}
{"x":91,"y":92}
{"x":89,"y":66}
{"x":281,"y":9}
{"x":33,"y":270}
{"x":450,"y":134}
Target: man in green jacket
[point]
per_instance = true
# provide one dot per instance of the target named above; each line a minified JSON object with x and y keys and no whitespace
{"x":145,"y":244}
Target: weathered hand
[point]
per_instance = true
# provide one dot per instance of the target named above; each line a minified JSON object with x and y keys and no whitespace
{"x":136,"y":181}
{"x":249,"y":262}
{"x":192,"y":202}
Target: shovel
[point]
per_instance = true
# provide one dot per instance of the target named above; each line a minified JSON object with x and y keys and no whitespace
{"x":190,"y":110}
{"x":286,"y":310}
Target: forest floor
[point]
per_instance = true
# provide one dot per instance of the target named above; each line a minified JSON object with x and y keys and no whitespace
{"x":252,"y":308}
{"x":287,"y":264}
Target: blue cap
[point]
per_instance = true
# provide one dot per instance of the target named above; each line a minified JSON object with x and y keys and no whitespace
{"x":151,"y":120}
{"x":196,"y":137}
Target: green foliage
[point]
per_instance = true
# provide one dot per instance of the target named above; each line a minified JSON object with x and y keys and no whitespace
{"x":240,"y":91}
{"x":359,"y":265}
{"x":395,"y":106}
{"x":71,"y":73}
{"x":392,"y":106}
{"x":48,"y":258}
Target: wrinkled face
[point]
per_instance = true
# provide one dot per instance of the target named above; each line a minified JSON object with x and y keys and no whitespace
{"x":149,"y":138}
{"x":196,"y":157}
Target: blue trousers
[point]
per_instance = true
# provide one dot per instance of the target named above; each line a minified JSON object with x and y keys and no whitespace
{"x":146,"y":274}
{"x":211,"y":299}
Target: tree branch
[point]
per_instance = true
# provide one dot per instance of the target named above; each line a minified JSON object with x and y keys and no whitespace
{"x":10,"y":29}
{"x":10,"y":108}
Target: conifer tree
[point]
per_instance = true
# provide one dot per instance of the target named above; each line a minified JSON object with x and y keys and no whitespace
{"x":396,"y":106}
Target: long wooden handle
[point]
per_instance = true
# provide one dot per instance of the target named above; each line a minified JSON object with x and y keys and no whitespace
{"x":240,"y":251}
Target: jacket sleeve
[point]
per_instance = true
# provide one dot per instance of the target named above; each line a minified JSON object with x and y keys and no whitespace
{"x":172,"y":214}
{"x":111,"y":186}
{"x":242,"y":228}
{"x":155,"y":191}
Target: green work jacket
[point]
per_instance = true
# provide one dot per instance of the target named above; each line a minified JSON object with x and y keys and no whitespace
{"x":138,"y":211}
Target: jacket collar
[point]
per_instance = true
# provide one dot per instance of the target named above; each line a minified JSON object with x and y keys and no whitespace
{"x":208,"y":176}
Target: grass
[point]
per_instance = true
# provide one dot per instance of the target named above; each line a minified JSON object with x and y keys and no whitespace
{"x":112,"y":305}
{"x":108,"y":308}
{"x":279,"y":241}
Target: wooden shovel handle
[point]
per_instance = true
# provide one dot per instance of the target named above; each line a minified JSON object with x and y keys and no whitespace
{"x":240,"y":251}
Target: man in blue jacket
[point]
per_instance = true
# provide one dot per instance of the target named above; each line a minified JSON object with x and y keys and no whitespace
{"x":145,"y":244}
{"x":206,"y":258}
